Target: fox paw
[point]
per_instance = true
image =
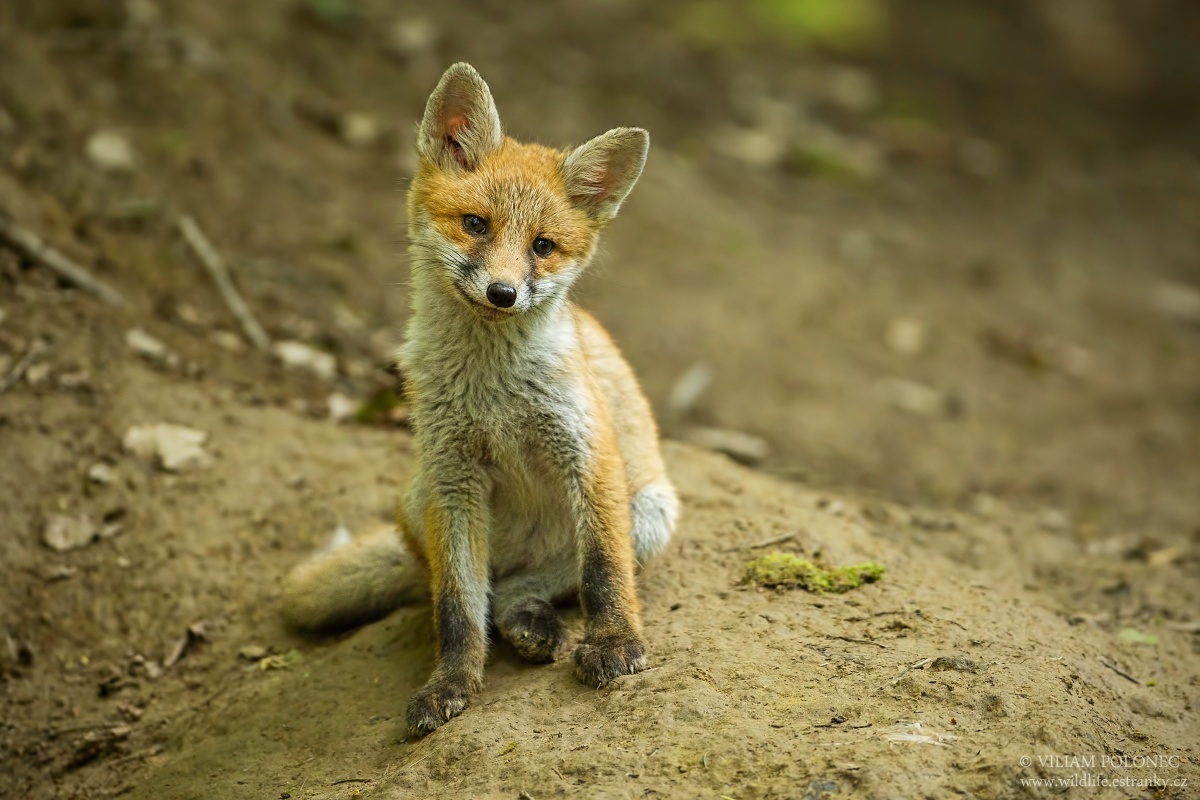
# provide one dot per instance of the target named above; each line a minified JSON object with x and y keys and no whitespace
{"x":436,"y":704}
{"x":600,"y":659}
{"x":535,"y":630}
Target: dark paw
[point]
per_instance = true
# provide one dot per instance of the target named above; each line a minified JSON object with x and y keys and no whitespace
{"x":436,"y":704}
{"x":534,"y":629}
{"x":600,"y":659}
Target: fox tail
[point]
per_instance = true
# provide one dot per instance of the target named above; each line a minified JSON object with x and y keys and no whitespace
{"x":352,"y":582}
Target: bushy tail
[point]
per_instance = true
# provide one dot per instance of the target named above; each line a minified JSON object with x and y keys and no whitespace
{"x":353,"y":582}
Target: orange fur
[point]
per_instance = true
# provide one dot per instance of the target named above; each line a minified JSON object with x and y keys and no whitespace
{"x":519,"y":189}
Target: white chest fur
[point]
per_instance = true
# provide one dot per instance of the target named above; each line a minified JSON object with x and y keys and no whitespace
{"x":510,"y":388}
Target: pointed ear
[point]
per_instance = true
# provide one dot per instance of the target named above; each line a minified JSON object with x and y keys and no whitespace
{"x":460,"y":125}
{"x":599,"y":175}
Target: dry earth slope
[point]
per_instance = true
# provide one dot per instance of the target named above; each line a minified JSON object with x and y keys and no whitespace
{"x":752,"y":693}
{"x":936,"y":682}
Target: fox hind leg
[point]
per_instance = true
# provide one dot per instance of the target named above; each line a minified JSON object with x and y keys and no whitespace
{"x":524,"y":612}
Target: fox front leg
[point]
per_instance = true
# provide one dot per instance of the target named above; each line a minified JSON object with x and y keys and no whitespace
{"x":456,"y":533}
{"x":612,"y":645}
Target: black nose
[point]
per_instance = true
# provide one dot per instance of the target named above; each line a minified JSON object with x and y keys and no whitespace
{"x":501,"y":295}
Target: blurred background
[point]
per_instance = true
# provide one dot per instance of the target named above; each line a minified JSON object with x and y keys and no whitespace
{"x":937,"y":260}
{"x":937,"y":251}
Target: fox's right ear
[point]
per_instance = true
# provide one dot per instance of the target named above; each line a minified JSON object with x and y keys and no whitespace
{"x":460,"y":125}
{"x":600,"y":174}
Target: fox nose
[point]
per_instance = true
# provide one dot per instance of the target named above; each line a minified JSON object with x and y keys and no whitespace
{"x":501,"y":295}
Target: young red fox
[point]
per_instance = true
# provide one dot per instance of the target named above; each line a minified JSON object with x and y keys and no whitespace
{"x":538,"y":475}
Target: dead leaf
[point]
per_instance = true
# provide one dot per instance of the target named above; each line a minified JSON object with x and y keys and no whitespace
{"x":195,"y":634}
{"x":175,"y":448}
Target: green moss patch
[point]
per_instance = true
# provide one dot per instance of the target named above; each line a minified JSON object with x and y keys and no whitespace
{"x":786,"y":571}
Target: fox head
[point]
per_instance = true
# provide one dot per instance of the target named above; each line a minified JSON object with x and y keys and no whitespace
{"x":505,"y":228}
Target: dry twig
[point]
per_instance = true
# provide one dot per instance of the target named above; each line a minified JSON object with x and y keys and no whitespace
{"x":36,"y":348}
{"x":856,"y":641}
{"x":212,"y":261}
{"x":1121,"y":672}
{"x":32,"y":247}
{"x":764,"y":543}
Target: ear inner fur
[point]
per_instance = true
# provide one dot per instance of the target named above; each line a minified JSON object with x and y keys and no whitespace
{"x":461,"y":125}
{"x":600,"y":174}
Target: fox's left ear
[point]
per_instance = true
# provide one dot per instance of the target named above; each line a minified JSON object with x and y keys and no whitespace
{"x":600,"y":174}
{"x":460,"y":125}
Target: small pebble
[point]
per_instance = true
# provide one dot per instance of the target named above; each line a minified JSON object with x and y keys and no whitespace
{"x":358,"y":130}
{"x":914,"y":398}
{"x":74,"y":379}
{"x":101,"y":474}
{"x":906,"y":337}
{"x":298,"y":355}
{"x":751,"y":146}
{"x":62,"y":532}
{"x":341,"y":407}
{"x":230,"y":342}
{"x":145,"y":345}
{"x":110,"y":151}
{"x":142,"y":13}
{"x":190,"y":315}
{"x":411,"y":38}
{"x":58,"y":572}
{"x":1164,"y":557}
{"x":37,"y":374}
{"x":175,"y":448}
{"x":252,"y":652}
{"x":1054,"y":519}
{"x":1178,"y":300}
{"x":688,"y":389}
{"x":743,"y":447}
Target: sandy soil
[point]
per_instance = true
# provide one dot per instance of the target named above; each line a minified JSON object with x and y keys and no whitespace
{"x":1039,"y":517}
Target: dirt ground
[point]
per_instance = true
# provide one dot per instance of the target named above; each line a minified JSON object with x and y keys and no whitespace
{"x":968,"y":330}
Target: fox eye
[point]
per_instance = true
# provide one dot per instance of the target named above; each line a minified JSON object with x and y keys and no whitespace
{"x":474,"y":225}
{"x":542,"y":246}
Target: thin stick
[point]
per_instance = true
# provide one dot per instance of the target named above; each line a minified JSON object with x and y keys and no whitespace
{"x":773,"y":540}
{"x":350,"y":780}
{"x":53,"y":732}
{"x":763,"y":543}
{"x":855,"y":641}
{"x":215,"y":265}
{"x":15,"y":374}
{"x":32,"y":247}
{"x":1121,"y":672}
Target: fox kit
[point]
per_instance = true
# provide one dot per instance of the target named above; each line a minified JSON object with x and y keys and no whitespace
{"x":538,"y":476}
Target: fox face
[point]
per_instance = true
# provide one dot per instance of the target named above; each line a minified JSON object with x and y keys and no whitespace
{"x":505,"y":228}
